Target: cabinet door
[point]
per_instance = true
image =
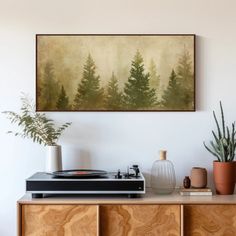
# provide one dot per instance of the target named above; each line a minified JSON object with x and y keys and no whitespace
{"x":135,"y":220}
{"x":59,"y":220}
{"x":203,"y":220}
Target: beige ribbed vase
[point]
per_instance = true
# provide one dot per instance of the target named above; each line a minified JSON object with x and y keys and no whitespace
{"x":198,"y":177}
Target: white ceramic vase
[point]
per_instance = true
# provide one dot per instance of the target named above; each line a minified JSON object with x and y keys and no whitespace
{"x":53,"y":159}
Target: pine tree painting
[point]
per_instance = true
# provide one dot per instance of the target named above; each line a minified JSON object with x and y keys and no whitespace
{"x":89,"y":94}
{"x":174,"y":94}
{"x":138,"y":94}
{"x":49,"y":88}
{"x":63,"y":100}
{"x":186,"y":78}
{"x":154,"y":77}
{"x":115,"y":72}
{"x":114,"y":98}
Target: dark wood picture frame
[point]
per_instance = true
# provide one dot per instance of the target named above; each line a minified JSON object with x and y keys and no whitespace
{"x":44,"y":70}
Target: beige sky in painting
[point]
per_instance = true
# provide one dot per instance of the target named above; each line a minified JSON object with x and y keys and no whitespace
{"x":111,"y":54}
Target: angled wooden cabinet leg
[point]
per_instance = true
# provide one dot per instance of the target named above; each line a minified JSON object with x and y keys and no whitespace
{"x":59,"y":220}
{"x":206,"y":220}
{"x":140,"y":220}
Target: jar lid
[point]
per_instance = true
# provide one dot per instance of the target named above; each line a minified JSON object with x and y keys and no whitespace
{"x":163,"y":154}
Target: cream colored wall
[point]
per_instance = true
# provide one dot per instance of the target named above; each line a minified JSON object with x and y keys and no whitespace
{"x":114,"y":140}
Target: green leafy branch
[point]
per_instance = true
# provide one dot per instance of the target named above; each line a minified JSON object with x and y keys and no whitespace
{"x":35,"y":126}
{"x":224,"y":144}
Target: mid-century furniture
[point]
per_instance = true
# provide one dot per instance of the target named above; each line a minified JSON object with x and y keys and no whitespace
{"x":161,"y":215}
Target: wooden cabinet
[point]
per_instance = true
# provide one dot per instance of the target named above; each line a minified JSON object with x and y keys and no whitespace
{"x":59,"y":220}
{"x":152,"y":215}
{"x":105,"y":220}
{"x":140,"y":220}
{"x":204,"y":220}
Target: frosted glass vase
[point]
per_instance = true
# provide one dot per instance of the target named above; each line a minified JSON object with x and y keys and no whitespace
{"x":163,"y":175}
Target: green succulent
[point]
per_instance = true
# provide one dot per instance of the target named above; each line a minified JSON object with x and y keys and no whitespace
{"x":224,"y":144}
{"x":35,"y":125}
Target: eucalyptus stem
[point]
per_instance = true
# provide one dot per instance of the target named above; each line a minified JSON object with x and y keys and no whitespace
{"x":34,"y":125}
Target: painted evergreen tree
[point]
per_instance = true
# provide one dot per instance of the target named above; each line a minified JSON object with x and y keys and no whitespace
{"x":63,"y":100}
{"x":154,"y":77}
{"x":184,"y":69}
{"x":137,"y":91}
{"x":173,"y":95}
{"x":114,"y":98}
{"x":89,"y":94}
{"x":186,"y":78}
{"x":50,"y":88}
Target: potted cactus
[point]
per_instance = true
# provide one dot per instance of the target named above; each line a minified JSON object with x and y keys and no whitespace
{"x":223,"y":148}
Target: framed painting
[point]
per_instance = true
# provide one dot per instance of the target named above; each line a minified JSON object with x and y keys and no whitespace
{"x":115,"y":72}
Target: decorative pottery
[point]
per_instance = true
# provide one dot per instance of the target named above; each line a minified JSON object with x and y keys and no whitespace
{"x":224,"y":177}
{"x":198,"y":177}
{"x":163,"y":175}
{"x":53,"y":159}
{"x":186,"y":182}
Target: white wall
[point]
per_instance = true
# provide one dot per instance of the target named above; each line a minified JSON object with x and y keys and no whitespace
{"x":114,"y":140}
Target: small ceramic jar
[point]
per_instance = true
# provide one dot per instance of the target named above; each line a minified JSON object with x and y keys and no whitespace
{"x":198,"y":177}
{"x":186,"y":182}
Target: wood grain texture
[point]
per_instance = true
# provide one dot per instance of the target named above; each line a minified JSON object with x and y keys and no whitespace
{"x":204,"y":220}
{"x":182,"y":220}
{"x":140,"y":220}
{"x":59,"y":220}
{"x":18,"y":207}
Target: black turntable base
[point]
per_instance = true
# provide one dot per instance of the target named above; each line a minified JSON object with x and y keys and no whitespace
{"x":86,"y":181}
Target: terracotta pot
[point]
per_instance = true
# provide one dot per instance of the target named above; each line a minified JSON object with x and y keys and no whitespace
{"x":224,"y":177}
{"x":198,"y":177}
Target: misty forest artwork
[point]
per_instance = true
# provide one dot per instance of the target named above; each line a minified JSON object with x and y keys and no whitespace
{"x":115,"y":72}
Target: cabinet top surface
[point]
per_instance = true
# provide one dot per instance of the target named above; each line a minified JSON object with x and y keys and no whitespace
{"x":148,"y":198}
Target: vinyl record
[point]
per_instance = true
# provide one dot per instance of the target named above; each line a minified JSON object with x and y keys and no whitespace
{"x":79,"y":173}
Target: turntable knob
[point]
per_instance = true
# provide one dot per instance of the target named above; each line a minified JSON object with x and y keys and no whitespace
{"x":136,"y":170}
{"x":118,"y":175}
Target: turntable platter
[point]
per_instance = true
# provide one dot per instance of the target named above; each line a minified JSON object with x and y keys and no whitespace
{"x":79,"y":173}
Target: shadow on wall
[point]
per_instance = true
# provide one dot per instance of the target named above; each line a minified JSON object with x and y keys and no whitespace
{"x":199,"y":73}
{"x":210,"y":182}
{"x":75,"y":158}
{"x":147,"y":176}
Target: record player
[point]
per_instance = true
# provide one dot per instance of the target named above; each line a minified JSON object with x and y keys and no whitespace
{"x":87,"y":181}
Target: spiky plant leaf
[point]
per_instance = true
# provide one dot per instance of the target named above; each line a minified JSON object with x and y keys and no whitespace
{"x":224,"y":146}
{"x":216,"y":139}
{"x":222,"y":119}
{"x":212,"y":152}
{"x":217,"y":125}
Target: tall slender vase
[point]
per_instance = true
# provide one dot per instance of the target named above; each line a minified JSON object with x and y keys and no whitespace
{"x":53,"y":159}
